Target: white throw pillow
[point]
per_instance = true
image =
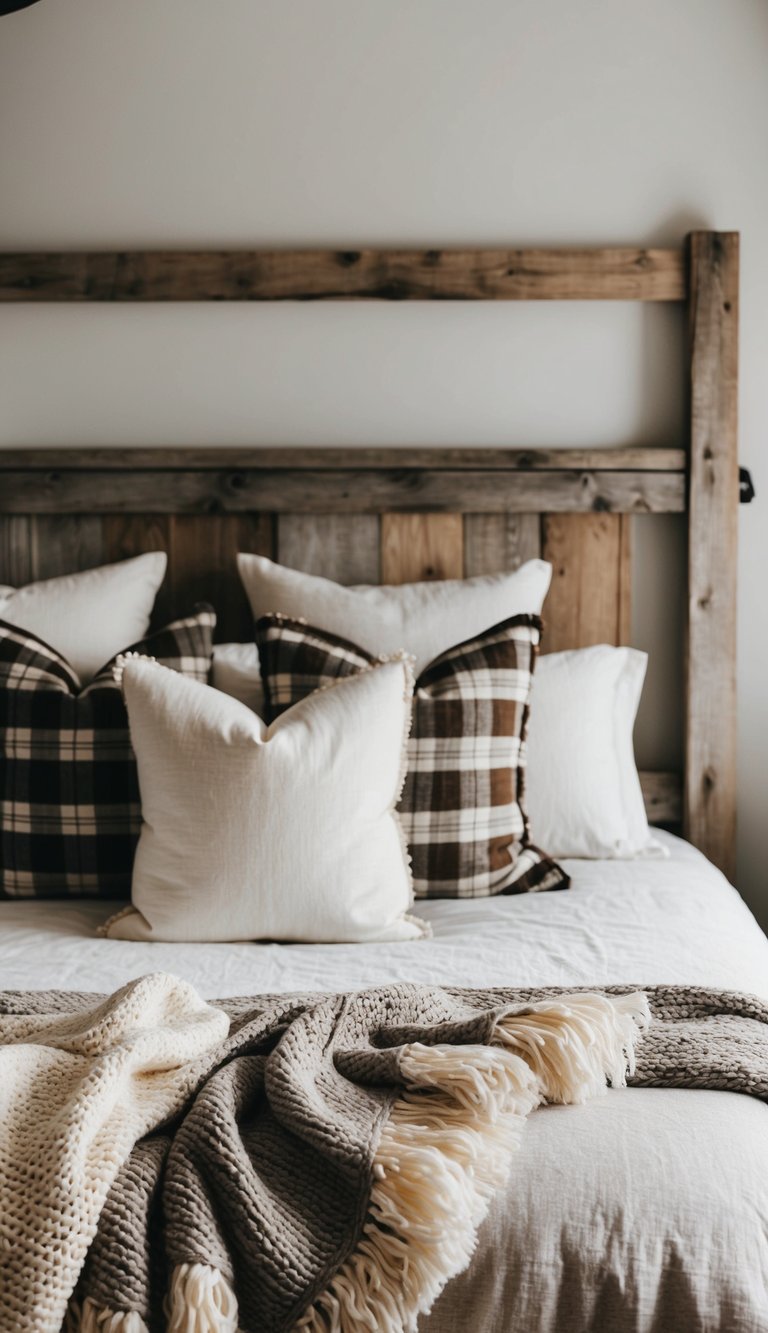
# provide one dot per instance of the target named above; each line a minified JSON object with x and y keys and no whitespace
{"x":89,"y":617}
{"x":583,"y":790}
{"x":426,"y":619}
{"x":286,"y":832}
{"x":236,"y":672}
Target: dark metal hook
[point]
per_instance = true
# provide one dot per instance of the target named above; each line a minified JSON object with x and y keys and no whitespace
{"x":746,"y":486}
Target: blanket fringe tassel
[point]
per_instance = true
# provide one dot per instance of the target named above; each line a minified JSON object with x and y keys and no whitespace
{"x":94,"y":1319}
{"x":445,"y":1150}
{"x":448,"y":1146}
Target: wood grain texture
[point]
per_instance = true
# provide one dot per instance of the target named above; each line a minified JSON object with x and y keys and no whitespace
{"x":496,"y":543}
{"x":371,"y":491}
{"x":48,"y":545}
{"x":623,"y":458}
{"x":710,"y":747}
{"x":587,"y":601}
{"x":17,"y":550}
{"x":624,"y":580}
{"x":127,"y":535}
{"x":416,"y":547}
{"x":622,"y":274}
{"x":202,"y":566}
{"x":342,"y":547}
{"x":663,"y":796}
{"x":66,"y":543}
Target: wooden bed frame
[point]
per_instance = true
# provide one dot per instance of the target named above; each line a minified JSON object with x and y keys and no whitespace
{"x":394,"y":515}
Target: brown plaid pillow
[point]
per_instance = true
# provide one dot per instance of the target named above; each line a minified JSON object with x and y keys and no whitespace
{"x":69,"y":792}
{"x":462,"y":806}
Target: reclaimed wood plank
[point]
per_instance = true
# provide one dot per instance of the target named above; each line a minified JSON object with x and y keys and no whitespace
{"x":66,"y":543}
{"x":585,"y":604}
{"x":44,"y":546}
{"x":17,"y":550}
{"x":623,"y":273}
{"x":128,"y":535}
{"x":202,"y":566}
{"x":621,"y":458}
{"x":290,"y":491}
{"x":710,"y":746}
{"x":495,"y":543}
{"x":342,"y":547}
{"x":419,"y":547}
{"x":663,"y":796}
{"x":624,"y":581}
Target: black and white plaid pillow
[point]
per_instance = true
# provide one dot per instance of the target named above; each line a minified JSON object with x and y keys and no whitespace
{"x":463,"y":804}
{"x":69,"y":794}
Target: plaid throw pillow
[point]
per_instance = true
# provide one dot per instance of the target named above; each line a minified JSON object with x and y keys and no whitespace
{"x":69,"y":794}
{"x":462,"y":806}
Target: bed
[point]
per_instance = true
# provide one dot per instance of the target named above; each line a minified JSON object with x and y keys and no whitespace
{"x":646,"y":1209}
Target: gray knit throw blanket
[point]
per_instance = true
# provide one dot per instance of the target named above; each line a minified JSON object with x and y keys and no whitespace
{"x":329,"y":1165}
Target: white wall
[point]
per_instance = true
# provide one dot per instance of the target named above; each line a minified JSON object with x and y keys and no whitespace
{"x":396,"y":121}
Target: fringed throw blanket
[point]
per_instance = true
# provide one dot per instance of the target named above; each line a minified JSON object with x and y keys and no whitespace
{"x":317,"y":1163}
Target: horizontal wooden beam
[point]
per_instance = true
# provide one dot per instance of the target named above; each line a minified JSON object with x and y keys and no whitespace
{"x":617,"y":274}
{"x":622,"y":458}
{"x":663,"y":796}
{"x":64,"y":491}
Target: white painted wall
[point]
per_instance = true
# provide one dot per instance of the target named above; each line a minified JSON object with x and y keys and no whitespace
{"x":432,"y":122}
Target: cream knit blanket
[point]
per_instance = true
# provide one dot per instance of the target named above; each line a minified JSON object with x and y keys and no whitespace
{"x":76,"y":1093}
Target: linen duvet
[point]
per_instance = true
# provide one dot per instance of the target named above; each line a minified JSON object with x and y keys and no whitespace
{"x":646,"y":1209}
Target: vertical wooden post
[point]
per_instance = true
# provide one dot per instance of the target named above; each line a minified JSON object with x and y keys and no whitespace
{"x":710,"y":747}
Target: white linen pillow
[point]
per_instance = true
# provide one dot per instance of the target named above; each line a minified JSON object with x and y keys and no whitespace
{"x":426,"y":619}
{"x":89,"y":617}
{"x":236,"y":672}
{"x":287,"y":832}
{"x":583,"y":790}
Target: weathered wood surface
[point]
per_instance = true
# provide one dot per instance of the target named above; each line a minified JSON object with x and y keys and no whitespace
{"x":342,"y":547}
{"x":201,"y":561}
{"x":710,"y":746}
{"x":63,"y":491}
{"x":618,"y":274}
{"x":620,"y":458}
{"x":588,"y":600}
{"x":495,"y":543}
{"x":420,"y":547}
{"x":663,"y":796}
{"x":44,"y":546}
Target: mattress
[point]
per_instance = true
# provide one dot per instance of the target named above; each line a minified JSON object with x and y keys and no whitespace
{"x":646,"y":1210}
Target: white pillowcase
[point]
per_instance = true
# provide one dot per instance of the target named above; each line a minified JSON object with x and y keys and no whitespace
{"x":583,"y":791}
{"x":91,"y":616}
{"x":286,"y":832}
{"x":236,"y":672}
{"x":423,"y":618}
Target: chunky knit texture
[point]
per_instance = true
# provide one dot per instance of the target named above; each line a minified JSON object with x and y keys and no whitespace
{"x":328,"y":1161}
{"x":76,"y":1092}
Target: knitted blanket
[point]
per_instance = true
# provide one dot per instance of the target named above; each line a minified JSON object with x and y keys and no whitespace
{"x":318,"y":1162}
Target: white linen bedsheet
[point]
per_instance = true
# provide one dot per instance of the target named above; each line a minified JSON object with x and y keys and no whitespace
{"x":645,"y":1211}
{"x":675,"y":920}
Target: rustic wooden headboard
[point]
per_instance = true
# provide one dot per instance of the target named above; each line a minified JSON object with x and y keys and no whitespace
{"x":394,"y":515}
